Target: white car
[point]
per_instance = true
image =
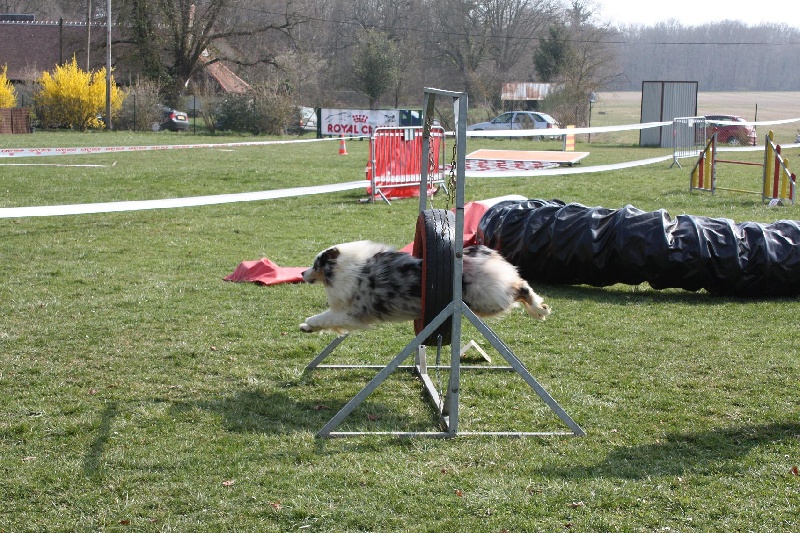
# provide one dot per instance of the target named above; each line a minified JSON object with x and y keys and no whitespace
{"x":307,"y":121}
{"x":517,"y":120}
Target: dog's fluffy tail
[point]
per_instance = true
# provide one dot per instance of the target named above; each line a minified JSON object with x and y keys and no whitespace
{"x":534,"y":304}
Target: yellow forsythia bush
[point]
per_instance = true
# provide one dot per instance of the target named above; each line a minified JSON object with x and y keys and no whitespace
{"x":8,"y":96}
{"x":75,"y":98}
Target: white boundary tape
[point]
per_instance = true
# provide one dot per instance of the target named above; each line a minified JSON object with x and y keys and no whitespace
{"x":747,"y":123}
{"x":48,"y":165}
{"x":756,"y":148}
{"x":553,"y":132}
{"x":169,"y":203}
{"x":40,"y":152}
{"x":601,"y":168}
{"x":114,"y":207}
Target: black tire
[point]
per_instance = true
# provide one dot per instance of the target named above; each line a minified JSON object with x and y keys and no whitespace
{"x":433,"y":243}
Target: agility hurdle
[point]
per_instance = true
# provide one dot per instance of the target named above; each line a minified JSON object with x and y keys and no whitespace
{"x":394,"y":167}
{"x":703,"y":176}
{"x":778,"y":182}
{"x":439,"y":243}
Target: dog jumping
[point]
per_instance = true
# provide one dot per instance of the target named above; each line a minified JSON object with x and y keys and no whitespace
{"x":368,"y":283}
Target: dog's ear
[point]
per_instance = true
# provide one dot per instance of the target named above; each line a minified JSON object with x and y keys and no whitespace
{"x":332,"y":253}
{"x":326,"y":257}
{"x":327,"y":264}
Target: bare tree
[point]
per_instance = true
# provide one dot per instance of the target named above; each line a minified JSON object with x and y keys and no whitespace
{"x":392,"y":17}
{"x":401,"y":22}
{"x":169,"y":37}
{"x":515,"y":26}
{"x":587,"y":63}
{"x":486,"y":41}
{"x":462,"y":38}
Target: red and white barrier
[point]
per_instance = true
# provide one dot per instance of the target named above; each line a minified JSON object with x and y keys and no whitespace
{"x":394,"y":169}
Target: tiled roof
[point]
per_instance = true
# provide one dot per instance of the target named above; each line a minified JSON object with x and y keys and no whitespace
{"x":230,"y":82}
{"x":29,"y":48}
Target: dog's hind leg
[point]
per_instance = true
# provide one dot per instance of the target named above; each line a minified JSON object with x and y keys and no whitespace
{"x":332,"y":320}
{"x":534,"y":304}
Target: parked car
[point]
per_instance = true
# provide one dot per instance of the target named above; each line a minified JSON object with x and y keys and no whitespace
{"x":517,"y":120}
{"x":306,"y":122}
{"x":731,"y":134}
{"x":173,"y":120}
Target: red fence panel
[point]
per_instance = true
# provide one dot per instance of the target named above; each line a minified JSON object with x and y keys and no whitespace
{"x":394,"y":169}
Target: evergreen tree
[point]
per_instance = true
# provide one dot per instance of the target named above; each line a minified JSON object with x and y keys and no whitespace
{"x":550,"y":57}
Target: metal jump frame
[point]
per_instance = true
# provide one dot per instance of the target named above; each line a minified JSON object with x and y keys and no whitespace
{"x":447,"y":407}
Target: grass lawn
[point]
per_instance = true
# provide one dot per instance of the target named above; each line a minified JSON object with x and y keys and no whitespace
{"x":140,"y":392}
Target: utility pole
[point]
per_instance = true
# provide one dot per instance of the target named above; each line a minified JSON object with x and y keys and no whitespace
{"x":88,"y":35}
{"x":108,"y":64}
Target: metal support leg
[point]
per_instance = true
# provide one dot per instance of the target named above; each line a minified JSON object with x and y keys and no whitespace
{"x":388,"y":370}
{"x":517,"y":365}
{"x":325,"y":353}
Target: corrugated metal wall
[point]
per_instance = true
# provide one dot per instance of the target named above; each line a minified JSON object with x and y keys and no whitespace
{"x":665,"y":101}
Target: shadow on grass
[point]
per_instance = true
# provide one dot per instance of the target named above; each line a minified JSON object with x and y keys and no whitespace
{"x":683,"y":453}
{"x":621,"y":294}
{"x":278,"y":413}
{"x":93,"y":460}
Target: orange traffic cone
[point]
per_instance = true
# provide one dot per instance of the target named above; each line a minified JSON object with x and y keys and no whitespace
{"x":342,"y":147}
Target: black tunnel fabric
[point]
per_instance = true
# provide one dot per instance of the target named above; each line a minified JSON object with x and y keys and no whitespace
{"x":557,"y":243}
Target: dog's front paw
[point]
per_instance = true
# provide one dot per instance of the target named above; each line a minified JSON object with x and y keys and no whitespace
{"x":541,"y":311}
{"x":306,"y":328}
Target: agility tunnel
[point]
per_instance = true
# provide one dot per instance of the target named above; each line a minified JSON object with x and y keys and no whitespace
{"x":557,"y":243}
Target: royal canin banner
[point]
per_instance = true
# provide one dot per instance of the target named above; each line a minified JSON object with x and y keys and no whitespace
{"x":356,"y":121}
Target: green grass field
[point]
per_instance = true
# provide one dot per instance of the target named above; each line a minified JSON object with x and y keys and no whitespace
{"x":140,"y":392}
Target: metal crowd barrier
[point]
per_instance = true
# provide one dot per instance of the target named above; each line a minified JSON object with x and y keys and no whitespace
{"x":394,"y":169}
{"x":689,"y":137}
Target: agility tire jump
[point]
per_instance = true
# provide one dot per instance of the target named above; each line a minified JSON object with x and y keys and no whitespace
{"x":433,"y":243}
{"x":439,"y":250}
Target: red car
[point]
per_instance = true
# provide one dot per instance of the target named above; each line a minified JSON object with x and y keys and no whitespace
{"x":731,"y":134}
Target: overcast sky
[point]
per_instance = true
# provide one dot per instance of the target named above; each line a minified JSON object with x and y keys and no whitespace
{"x":695,"y":12}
